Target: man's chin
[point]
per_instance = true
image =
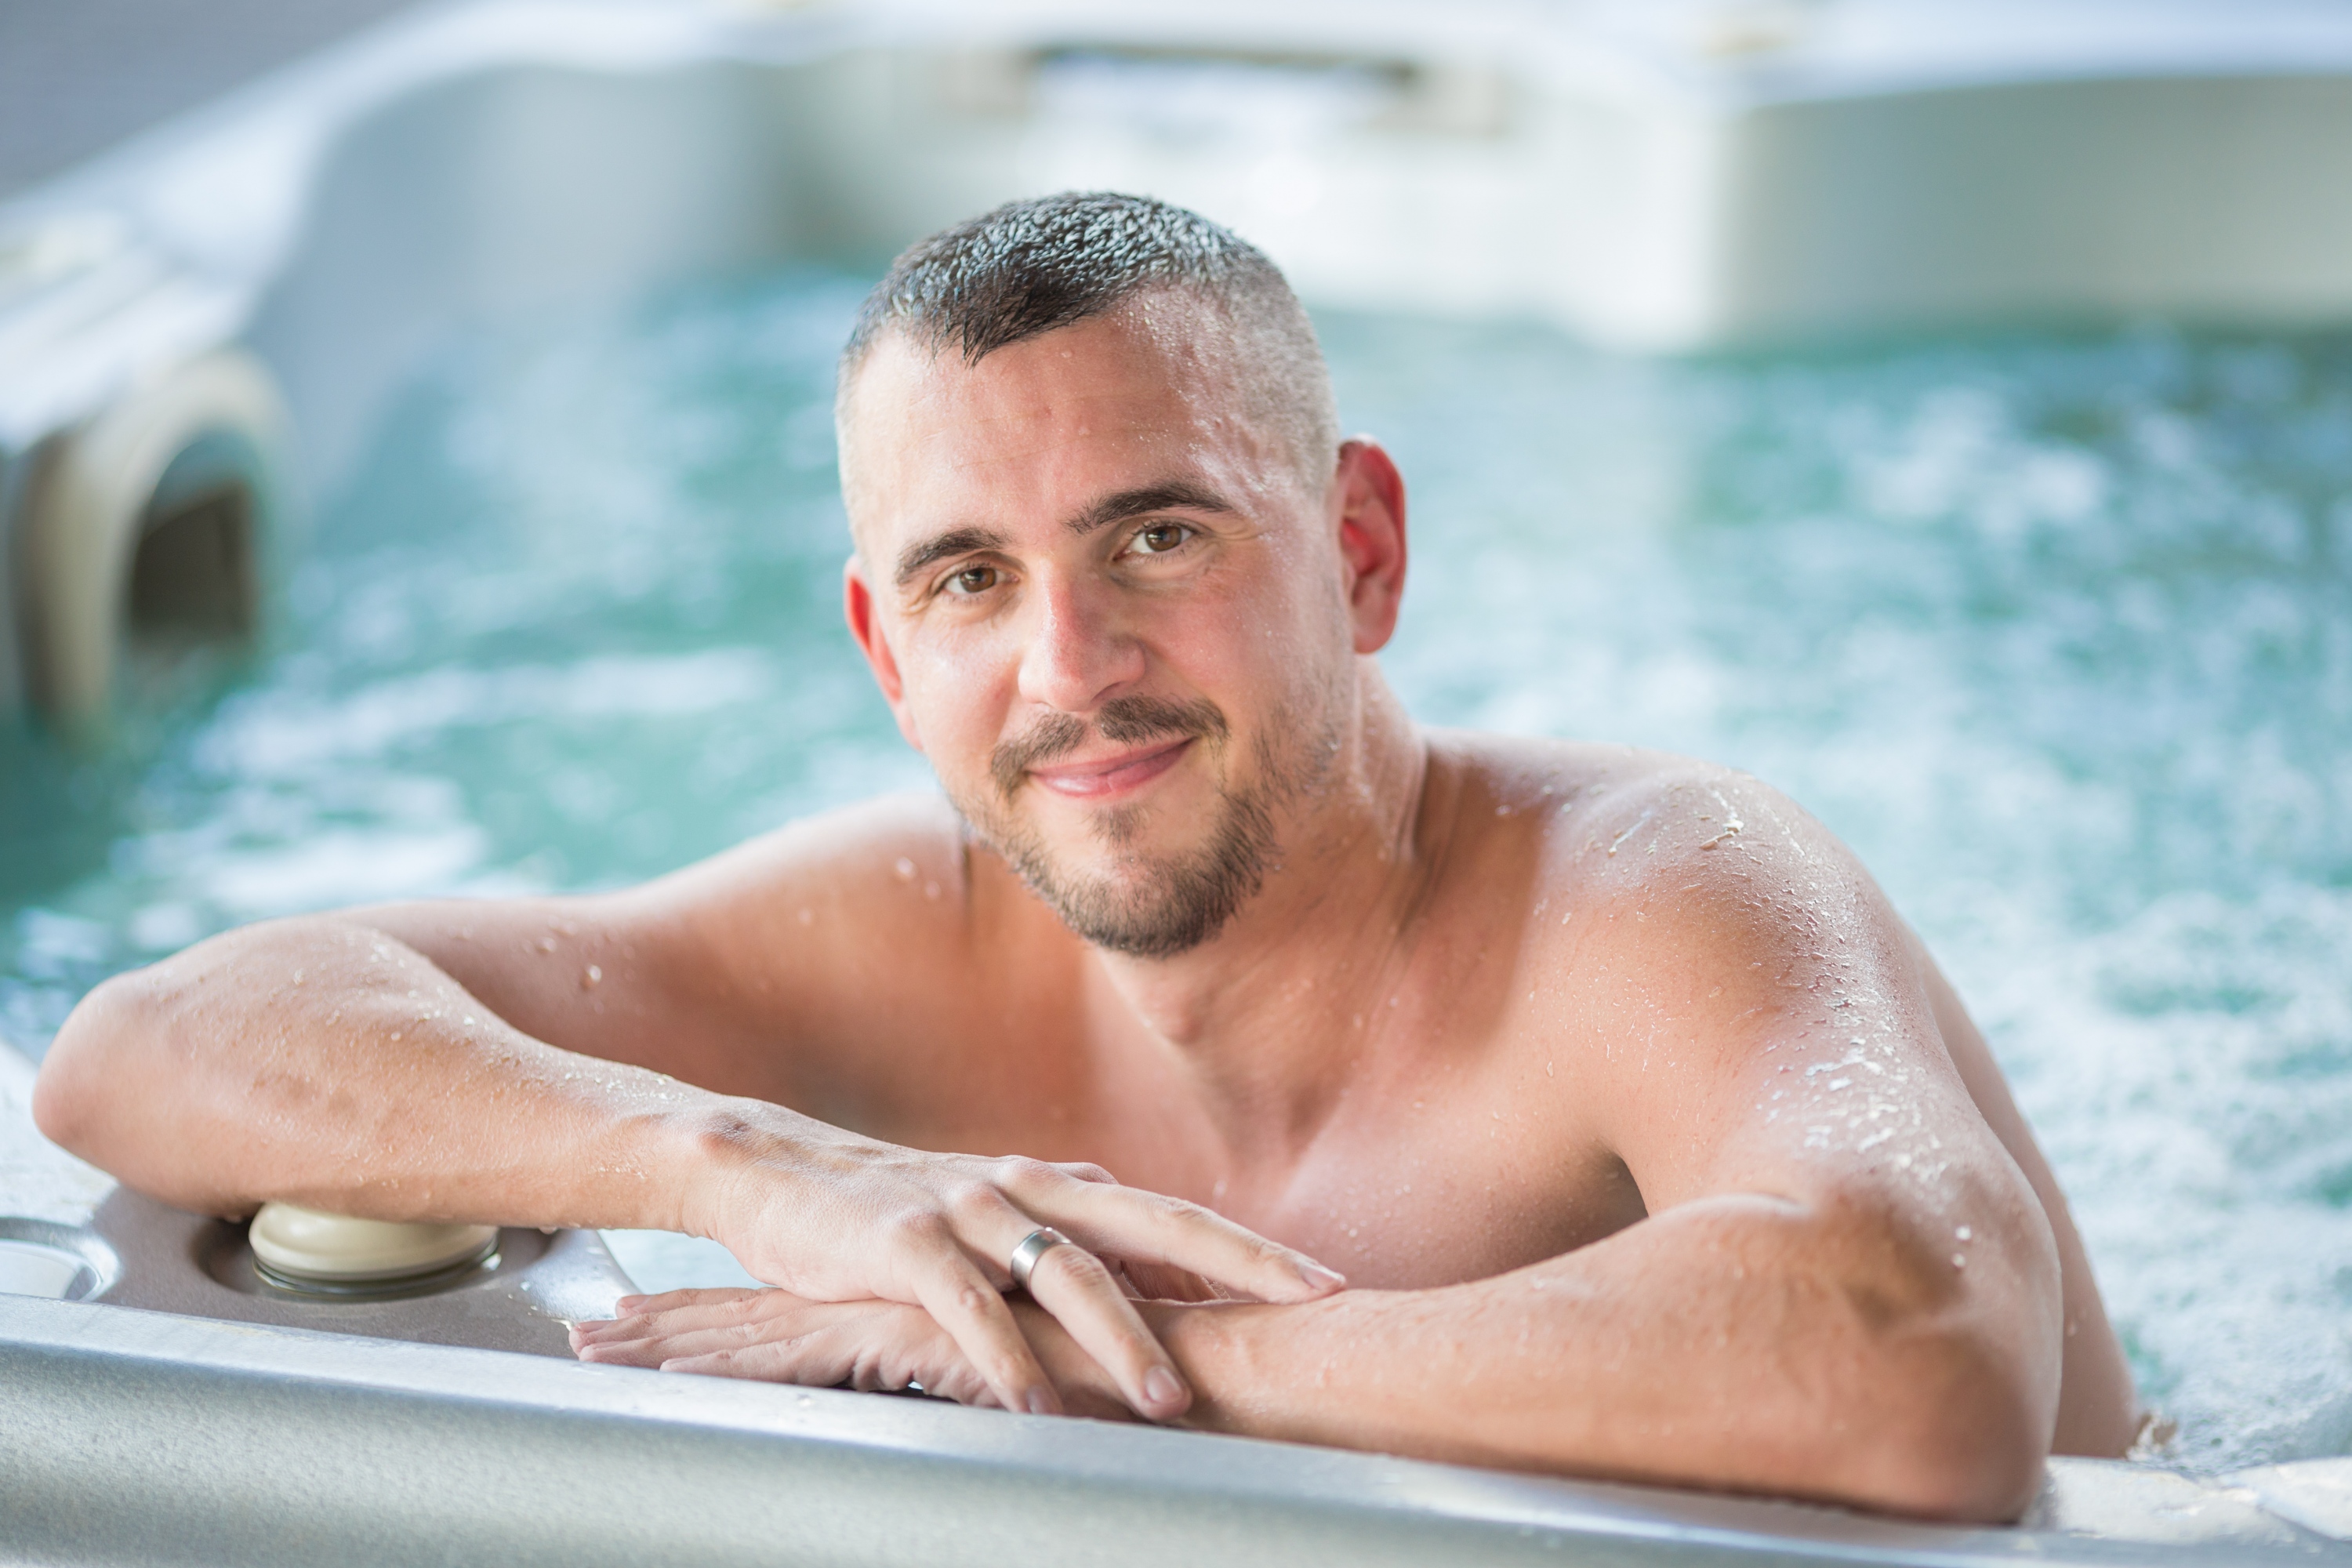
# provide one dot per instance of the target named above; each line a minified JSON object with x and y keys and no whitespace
{"x":1142,"y":905}
{"x":1150,"y":880}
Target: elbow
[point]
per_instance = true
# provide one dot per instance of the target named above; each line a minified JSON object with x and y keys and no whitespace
{"x":1952,"y":1382}
{"x":69,"y":1098}
{"x":1960,"y":1437}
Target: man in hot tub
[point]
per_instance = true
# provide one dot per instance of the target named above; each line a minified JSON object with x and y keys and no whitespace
{"x":1649,"y":1140}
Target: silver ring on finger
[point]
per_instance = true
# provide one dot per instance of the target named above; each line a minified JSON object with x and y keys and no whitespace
{"x":1032,"y":1246}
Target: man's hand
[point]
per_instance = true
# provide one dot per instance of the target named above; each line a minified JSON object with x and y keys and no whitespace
{"x":833,"y":1217}
{"x":774,"y":1336}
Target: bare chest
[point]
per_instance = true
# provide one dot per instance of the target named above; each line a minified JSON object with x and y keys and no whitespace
{"x":1421,"y":1181}
{"x":1458,"y":1141}
{"x":1464,"y":1195}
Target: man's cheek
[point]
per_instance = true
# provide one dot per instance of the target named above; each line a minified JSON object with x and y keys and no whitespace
{"x":949,"y":709}
{"x":958,"y":742}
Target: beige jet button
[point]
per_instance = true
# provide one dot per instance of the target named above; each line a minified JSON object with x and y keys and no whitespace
{"x":307,"y":1249}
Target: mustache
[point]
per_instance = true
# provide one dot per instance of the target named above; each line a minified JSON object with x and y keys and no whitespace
{"x":1123,"y":720}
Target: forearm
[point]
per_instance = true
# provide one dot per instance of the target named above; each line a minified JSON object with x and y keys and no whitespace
{"x":1697,"y":1350}
{"x":324,"y":1061}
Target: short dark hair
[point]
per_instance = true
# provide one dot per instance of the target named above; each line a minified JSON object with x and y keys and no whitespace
{"x":1032,"y":266}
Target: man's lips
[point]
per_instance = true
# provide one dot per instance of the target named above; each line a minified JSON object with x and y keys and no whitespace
{"x":1096,"y":777}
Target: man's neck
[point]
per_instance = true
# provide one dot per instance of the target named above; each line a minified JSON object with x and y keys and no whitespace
{"x":1272,"y":1015}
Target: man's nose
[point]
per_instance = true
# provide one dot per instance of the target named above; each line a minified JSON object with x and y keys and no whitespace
{"x":1077,"y":655}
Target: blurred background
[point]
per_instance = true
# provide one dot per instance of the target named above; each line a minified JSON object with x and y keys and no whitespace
{"x":416,"y":461}
{"x":77,"y":78}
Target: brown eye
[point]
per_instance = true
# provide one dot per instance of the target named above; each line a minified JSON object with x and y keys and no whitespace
{"x":973,"y":580}
{"x":1160,"y":538}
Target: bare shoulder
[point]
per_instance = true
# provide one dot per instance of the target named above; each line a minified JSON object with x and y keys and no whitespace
{"x":1677,"y":913}
{"x":859,"y":859}
{"x":1614,"y":822}
{"x":828,"y":906}
{"x":742,"y":973}
{"x":1746,"y":1012}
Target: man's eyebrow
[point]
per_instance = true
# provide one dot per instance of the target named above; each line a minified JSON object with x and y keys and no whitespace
{"x":924,"y":553}
{"x":1158,"y":497}
{"x":916,"y":557}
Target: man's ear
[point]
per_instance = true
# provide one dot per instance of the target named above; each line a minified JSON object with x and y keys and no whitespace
{"x":1369,"y":494}
{"x":865,"y":624}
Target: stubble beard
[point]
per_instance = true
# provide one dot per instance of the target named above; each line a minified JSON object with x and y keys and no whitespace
{"x":1162,"y":905}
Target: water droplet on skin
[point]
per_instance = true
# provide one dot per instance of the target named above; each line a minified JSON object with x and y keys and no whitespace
{"x":905,"y":869}
{"x":1958,"y":1261}
{"x":1964,"y":1233}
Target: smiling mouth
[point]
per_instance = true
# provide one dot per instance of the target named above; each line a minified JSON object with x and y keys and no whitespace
{"x":1110,"y":776}
{"x":1153,"y":733}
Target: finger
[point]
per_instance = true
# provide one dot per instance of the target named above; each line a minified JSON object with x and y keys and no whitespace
{"x":1086,"y":1298}
{"x":960,"y":1300}
{"x":644,"y":1342}
{"x":765,"y":1363}
{"x":805,"y":1362}
{"x":656,"y":1350}
{"x":1072,"y":1284}
{"x":641,"y":1351}
{"x":831,"y":1365}
{"x":753,"y":1318}
{"x":667,"y":1299}
{"x":1163,"y":1282}
{"x":1127,"y":1222}
{"x":694,"y":1309}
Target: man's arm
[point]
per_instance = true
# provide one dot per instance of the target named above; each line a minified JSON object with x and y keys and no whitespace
{"x":1847,"y":1287}
{"x":421,"y":1058}
{"x":511,"y":1062}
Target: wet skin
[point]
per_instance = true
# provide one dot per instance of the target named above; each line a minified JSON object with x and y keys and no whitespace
{"x":1650,"y":1141}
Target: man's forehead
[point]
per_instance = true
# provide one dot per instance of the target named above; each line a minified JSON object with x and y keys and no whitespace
{"x":1133,"y":361}
{"x":1112,"y":403}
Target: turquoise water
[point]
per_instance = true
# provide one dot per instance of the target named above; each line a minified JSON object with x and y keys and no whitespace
{"x":2054,"y":629}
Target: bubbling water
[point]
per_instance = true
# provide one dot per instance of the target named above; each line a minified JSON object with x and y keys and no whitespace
{"x":2051,"y":628}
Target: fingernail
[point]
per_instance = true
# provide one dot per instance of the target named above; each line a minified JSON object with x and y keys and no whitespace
{"x":1318,"y":1277}
{"x":628,"y":1303}
{"x":1161,"y":1387}
{"x":1040,"y":1402}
